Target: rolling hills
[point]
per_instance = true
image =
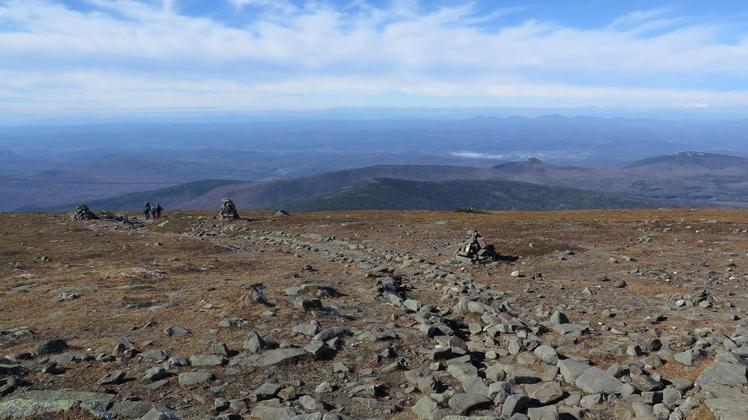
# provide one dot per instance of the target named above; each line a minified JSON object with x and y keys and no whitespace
{"x":681,"y":179}
{"x":400,"y":194}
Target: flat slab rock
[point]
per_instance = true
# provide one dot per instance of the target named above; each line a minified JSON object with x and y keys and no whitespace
{"x":194,"y":378}
{"x":462,"y":403}
{"x":36,"y":403}
{"x":268,"y":358}
{"x":596,"y":381}
{"x":728,"y":408}
{"x":726,"y":370}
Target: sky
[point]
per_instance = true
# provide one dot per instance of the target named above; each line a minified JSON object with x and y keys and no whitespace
{"x":90,"y":57}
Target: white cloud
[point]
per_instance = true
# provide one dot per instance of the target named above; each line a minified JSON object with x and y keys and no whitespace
{"x":126,"y":54}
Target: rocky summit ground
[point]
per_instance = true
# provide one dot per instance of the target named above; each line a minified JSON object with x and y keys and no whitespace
{"x":603,"y":314}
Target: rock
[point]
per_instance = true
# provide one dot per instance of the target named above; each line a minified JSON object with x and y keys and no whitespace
{"x":633,"y":350}
{"x":412,"y":305}
{"x":53,"y":346}
{"x":173,"y":330}
{"x":684,"y":357}
{"x":543,"y":413}
{"x":270,"y":411}
{"x":547,"y":354}
{"x":207,"y":360}
{"x":159,"y":413}
{"x":254,"y":342}
{"x":112,"y":378}
{"x":726,"y":370}
{"x":308,"y":304}
{"x":521,"y":375}
{"x":155,"y":374}
{"x":309,"y":403}
{"x":130,"y":409}
{"x":423,"y":408}
{"x":228,"y":210}
{"x":330,"y":333}
{"x":266,"y":391}
{"x":645,"y":383}
{"x":189,"y":379}
{"x":40,"y":404}
{"x":558,"y":318}
{"x":728,"y":408}
{"x":255,"y":295}
{"x":323,"y":388}
{"x":514,"y":404}
{"x":320,"y":350}
{"x":597,"y":381}
{"x":155,"y":355}
{"x":219,"y":348}
{"x":588,"y":401}
{"x":308,"y":330}
{"x":463,"y":403}
{"x":268,"y":358}
{"x":670,"y":397}
{"x":546,"y":392}
{"x":177,"y":362}
{"x":571,"y":369}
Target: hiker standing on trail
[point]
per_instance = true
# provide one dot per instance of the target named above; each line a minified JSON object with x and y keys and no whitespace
{"x":159,"y":209}
{"x":153,"y":211}
{"x":147,"y":210}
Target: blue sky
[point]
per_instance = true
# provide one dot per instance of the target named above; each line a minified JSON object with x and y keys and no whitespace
{"x":80,"y":57}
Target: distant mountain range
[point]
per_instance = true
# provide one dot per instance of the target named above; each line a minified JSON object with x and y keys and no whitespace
{"x":279,"y":159}
{"x":677,"y":180}
{"x":400,"y":194}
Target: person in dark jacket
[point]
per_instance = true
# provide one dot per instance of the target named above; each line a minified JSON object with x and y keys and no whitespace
{"x":159,"y":209}
{"x":147,"y":210}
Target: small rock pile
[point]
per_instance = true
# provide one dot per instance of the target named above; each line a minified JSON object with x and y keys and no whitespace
{"x":82,"y":212}
{"x":476,"y":250}
{"x":228,"y":210}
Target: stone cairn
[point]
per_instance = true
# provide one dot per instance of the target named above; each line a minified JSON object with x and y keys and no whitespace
{"x":82,"y":212}
{"x":476,"y":250}
{"x":228,"y":210}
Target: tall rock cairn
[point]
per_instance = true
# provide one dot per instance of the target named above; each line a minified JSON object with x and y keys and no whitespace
{"x":228,"y":210}
{"x":476,"y":250}
{"x":82,"y":212}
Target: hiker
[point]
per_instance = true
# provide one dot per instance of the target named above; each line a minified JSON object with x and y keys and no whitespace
{"x":159,"y":209}
{"x":147,"y":210}
{"x":153,"y":212}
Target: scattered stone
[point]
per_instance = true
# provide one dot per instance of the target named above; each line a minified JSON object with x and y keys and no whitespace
{"x":114,"y":377}
{"x":463,"y":403}
{"x":190,"y":379}
{"x":547,"y":354}
{"x":207,"y":360}
{"x":173,"y":330}
{"x":155,"y":374}
{"x":268,"y":358}
{"x":53,"y":346}
{"x":254,"y":342}
{"x":596,"y":381}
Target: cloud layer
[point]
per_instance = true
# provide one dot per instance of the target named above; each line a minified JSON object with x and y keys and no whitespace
{"x":124,"y":55}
